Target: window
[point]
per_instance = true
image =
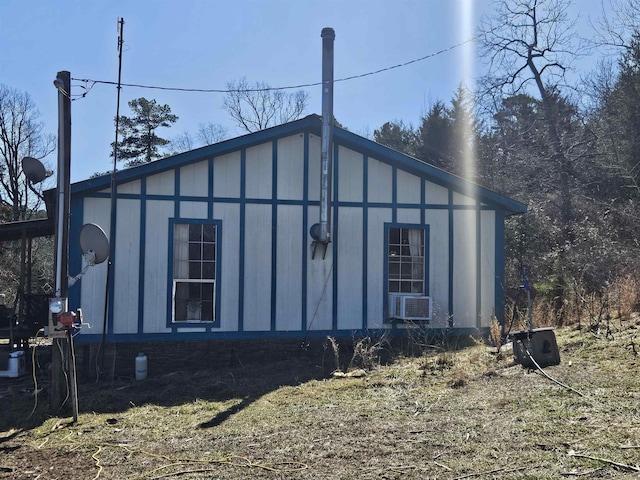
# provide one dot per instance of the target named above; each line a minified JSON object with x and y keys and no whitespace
{"x":194,"y":272}
{"x":406,"y":260}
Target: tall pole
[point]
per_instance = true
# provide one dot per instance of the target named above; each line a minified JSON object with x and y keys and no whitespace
{"x":108,"y":301}
{"x":60,"y":345}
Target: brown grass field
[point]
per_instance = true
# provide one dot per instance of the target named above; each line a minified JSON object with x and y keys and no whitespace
{"x":457,"y":413}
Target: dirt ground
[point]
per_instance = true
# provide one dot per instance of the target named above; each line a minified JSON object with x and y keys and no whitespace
{"x":450,"y":415}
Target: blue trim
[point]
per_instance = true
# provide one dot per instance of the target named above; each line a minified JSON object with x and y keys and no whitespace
{"x":274,"y":231}
{"x":86,"y":338}
{"x":219,"y":254}
{"x":305,"y":203}
{"x":210,"y":188}
{"x":143,"y":242}
{"x":335,"y":206}
{"x":499,"y":243}
{"x":365,"y":234}
{"x":425,"y":170}
{"x":394,"y":194}
{"x":242,"y":240}
{"x":451,"y":259}
{"x":478,"y":253}
{"x":305,"y":242}
{"x":111,"y":269}
{"x":311,"y":123}
{"x":427,"y":266}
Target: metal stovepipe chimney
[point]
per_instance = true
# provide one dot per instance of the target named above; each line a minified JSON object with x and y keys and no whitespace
{"x":328,"y":36}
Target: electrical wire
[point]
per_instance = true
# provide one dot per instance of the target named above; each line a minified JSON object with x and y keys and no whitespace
{"x":66,"y":377}
{"x":549,"y":376}
{"x":33,"y":373}
{"x":312,"y":84}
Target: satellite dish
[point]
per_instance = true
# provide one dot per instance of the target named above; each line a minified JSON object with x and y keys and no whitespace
{"x":94,"y":243}
{"x":34,"y":170}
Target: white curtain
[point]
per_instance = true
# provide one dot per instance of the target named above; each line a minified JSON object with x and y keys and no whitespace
{"x":417,"y":262}
{"x":181,"y":251}
{"x":415,"y":242}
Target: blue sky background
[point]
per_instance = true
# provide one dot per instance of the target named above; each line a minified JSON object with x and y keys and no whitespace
{"x":205,"y":44}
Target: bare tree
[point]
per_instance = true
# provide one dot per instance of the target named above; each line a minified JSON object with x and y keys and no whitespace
{"x":256,"y":106}
{"x":21,"y":135}
{"x":207,"y":134}
{"x":530,"y":45}
{"x":211,"y":133}
{"x":619,"y":22}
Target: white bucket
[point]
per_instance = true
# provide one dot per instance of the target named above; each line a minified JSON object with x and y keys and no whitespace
{"x":141,"y":366}
{"x":16,"y":365}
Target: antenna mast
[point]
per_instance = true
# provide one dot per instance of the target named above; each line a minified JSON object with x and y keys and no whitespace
{"x":108,"y":304}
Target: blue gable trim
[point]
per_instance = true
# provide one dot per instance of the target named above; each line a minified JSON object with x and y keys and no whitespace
{"x":425,"y":170}
{"x":310,"y":124}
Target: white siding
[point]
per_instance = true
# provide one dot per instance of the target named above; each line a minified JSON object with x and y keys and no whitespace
{"x":193,"y":210}
{"x":315,"y":151}
{"x":319,"y":284}
{"x":289,"y":269}
{"x":349,"y":269}
{"x":438,"y":221}
{"x":93,"y":283}
{"x":259,"y":171}
{"x":464,"y":268}
{"x":379,"y":181}
{"x":226,"y":175}
{"x":229,"y":257}
{"x":156,"y":251}
{"x":375,"y":265}
{"x":488,"y":268}
{"x":194,"y":179}
{"x":257,"y":268}
{"x":461,"y":199}
{"x":131,"y":187}
{"x":161,"y":183}
{"x":350,"y":175}
{"x":435,"y":194}
{"x":408,"y":215}
{"x":409,"y":188}
{"x":291,"y":167}
{"x":126,"y":270}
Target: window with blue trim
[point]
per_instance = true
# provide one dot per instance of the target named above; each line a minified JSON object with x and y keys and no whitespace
{"x":194,"y":272}
{"x":406,"y":260}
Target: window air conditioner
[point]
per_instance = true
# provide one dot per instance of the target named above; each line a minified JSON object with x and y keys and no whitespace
{"x":404,"y":306}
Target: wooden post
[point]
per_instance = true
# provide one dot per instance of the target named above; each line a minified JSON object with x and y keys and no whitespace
{"x":61,"y":350}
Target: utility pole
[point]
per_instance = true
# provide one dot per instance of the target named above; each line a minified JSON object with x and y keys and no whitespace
{"x":63,"y":372}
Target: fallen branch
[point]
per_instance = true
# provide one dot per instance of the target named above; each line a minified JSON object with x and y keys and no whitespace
{"x":606,"y":460}
{"x":496,"y":470}
{"x":443,"y":466}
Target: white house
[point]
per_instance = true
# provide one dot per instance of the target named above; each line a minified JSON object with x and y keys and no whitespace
{"x":216,"y":243}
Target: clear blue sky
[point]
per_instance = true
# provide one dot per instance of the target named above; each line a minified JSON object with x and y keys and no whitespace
{"x":205,"y":44}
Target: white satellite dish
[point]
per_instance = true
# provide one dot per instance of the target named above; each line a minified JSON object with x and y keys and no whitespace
{"x":94,"y":243}
{"x":34,"y":170}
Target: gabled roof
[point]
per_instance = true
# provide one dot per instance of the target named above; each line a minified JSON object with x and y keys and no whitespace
{"x":312,"y":124}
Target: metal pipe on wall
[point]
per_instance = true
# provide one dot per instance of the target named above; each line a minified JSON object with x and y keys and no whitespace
{"x":328,"y":36}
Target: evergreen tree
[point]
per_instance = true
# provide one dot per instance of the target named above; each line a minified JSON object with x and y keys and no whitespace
{"x":398,"y":136}
{"x":138,"y":142}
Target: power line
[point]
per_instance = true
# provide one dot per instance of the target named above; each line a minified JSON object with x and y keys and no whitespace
{"x":306,"y":85}
{"x":289,"y":87}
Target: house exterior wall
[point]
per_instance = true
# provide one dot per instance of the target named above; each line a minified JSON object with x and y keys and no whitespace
{"x":264,"y":198}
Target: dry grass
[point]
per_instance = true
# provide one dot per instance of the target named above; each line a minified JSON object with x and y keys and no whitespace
{"x":450,"y":414}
